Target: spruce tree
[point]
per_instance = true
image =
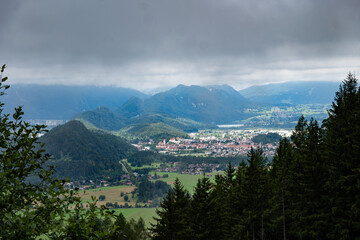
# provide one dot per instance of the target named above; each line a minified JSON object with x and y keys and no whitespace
{"x":221,"y":209}
{"x":256,"y":194}
{"x":173,"y":220}
{"x":203,"y":222}
{"x":282,"y":186}
{"x":238,"y":202}
{"x":342,"y":153}
{"x":309,"y":204}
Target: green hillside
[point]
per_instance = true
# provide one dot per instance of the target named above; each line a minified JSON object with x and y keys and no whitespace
{"x":131,"y":108}
{"x":183,"y":124}
{"x":79,"y":152}
{"x":155,"y":131}
{"x":102,"y":118}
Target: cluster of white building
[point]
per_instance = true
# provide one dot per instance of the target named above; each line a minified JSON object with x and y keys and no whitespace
{"x":217,"y":143}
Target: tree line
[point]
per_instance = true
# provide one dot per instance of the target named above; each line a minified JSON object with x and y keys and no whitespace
{"x":148,"y":190}
{"x":311,"y":189}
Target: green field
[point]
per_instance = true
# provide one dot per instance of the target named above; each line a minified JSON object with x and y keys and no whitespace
{"x":113,"y":195}
{"x":189,"y":181}
{"x":106,"y":188}
{"x":146,"y":213}
{"x":153,"y":165}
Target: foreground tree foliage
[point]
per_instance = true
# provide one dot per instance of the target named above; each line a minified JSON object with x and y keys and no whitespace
{"x":311,"y":189}
{"x":34,"y":204}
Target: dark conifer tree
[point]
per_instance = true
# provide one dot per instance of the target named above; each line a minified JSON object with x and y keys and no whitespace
{"x":221,"y":200}
{"x":238,"y":202}
{"x":203,"y":222}
{"x":229,"y":175}
{"x":256,"y":195}
{"x":173,"y":220}
{"x":282,"y":186}
{"x":309,"y":204}
{"x":298,"y":136}
{"x":342,"y":153}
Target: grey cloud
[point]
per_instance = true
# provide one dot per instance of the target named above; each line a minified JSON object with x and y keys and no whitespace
{"x":133,"y":42}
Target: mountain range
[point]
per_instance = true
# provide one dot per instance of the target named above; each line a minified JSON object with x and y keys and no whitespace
{"x":171,"y":113}
{"x":292,"y":93}
{"x":63,"y":102}
{"x":201,"y":104}
{"x":176,"y":111}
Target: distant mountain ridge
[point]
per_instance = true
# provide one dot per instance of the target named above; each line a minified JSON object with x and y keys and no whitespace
{"x":63,"y":102}
{"x":171,"y":113}
{"x":199,"y":103}
{"x":211,"y":104}
{"x":292,"y":93}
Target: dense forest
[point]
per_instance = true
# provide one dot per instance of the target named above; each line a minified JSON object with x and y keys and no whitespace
{"x":311,"y":190}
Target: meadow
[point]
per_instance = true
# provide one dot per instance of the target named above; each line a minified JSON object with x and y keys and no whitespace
{"x":189,"y":181}
{"x":135,"y":213}
{"x":113,"y":194}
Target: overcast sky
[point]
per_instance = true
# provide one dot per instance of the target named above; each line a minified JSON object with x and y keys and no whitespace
{"x":146,"y":44}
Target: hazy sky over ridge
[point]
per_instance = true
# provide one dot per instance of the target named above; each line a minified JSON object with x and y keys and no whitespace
{"x":146,"y":44}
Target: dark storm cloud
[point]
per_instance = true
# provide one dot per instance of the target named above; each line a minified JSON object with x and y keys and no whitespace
{"x":145,"y":43}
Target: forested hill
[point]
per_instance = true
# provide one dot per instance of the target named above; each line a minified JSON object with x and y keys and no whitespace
{"x":63,"y":102}
{"x":80,"y":152}
{"x":266,"y":138}
{"x":103,"y":118}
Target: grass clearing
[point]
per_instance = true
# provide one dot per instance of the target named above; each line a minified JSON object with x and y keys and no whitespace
{"x":189,"y":181}
{"x":107,"y":188}
{"x":146,"y":213}
{"x":153,"y":165}
{"x":112,"y":194}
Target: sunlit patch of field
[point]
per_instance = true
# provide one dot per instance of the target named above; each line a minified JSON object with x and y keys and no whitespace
{"x":189,"y":181}
{"x":146,"y":213}
{"x":112,"y":194}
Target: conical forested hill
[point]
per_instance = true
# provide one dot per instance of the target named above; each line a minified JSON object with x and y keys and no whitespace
{"x":102,"y":117}
{"x":79,"y":152}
